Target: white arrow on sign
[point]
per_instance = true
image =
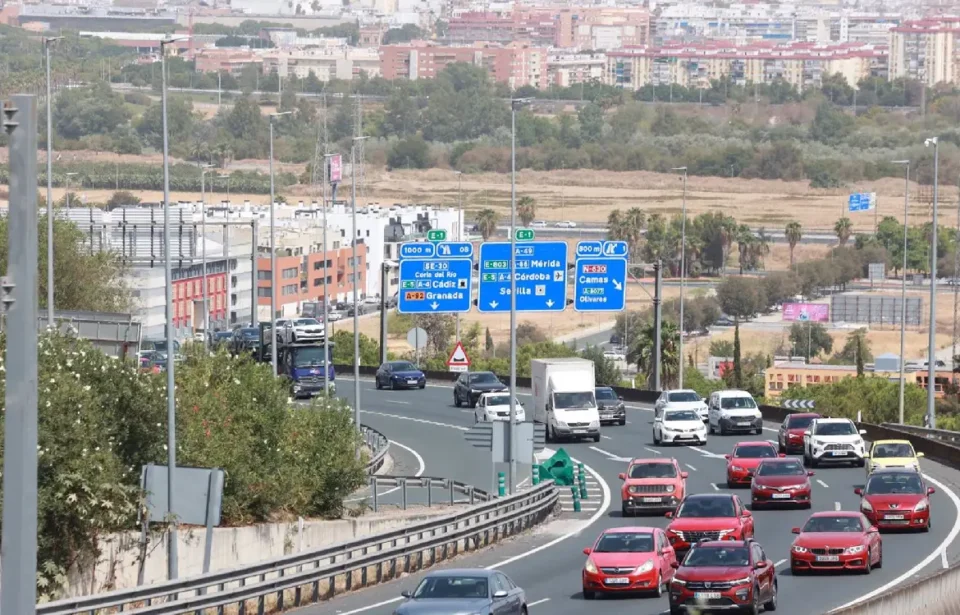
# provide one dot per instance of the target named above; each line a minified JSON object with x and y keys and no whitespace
{"x":549,"y":303}
{"x":617,"y":285}
{"x":434,"y":305}
{"x":494,"y":304}
{"x":610,"y":455}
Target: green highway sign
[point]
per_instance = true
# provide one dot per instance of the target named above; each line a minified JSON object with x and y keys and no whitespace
{"x":524,"y":234}
{"x":437,"y":235}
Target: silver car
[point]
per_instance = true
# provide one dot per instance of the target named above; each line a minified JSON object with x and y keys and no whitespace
{"x":464,"y":592}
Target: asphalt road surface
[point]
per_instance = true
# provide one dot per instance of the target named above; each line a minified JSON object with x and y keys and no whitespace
{"x":427,"y":430}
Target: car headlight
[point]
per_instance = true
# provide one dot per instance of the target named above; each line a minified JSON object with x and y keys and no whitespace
{"x":645,"y":567}
{"x":561,"y":424}
{"x":854,"y":550}
{"x":670,"y":488}
{"x":679,"y":582}
{"x":865,"y":505}
{"x":737,"y":469}
{"x":799,"y":549}
{"x":590,"y":566}
{"x":795,"y":487}
{"x":921,"y":506}
{"x":724,"y":533}
{"x":742,"y":581}
{"x":725,"y":416}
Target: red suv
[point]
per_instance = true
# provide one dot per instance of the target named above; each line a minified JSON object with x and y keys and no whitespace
{"x":652,"y":485}
{"x":790,"y":436}
{"x":729,"y":575}
{"x":710,"y":516}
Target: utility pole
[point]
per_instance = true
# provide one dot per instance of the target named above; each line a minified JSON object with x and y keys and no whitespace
{"x":657,"y":324}
{"x":50,"y":305}
{"x":203,"y":255}
{"x":273,"y":256}
{"x":459,"y":231}
{"x":384,"y":286}
{"x":932,"y":350}
{"x":683,"y":273}
{"x":356,"y":288}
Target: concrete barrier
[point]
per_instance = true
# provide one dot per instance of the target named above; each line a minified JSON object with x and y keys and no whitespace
{"x":936,"y":595}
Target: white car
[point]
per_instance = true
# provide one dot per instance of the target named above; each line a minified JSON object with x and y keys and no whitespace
{"x":682,"y":399}
{"x":539,"y":224}
{"x":734,"y":411}
{"x":302,"y":330}
{"x":496,"y":407}
{"x":833,"y":441}
{"x":566,"y":224}
{"x":679,"y":427}
{"x":334,"y":316}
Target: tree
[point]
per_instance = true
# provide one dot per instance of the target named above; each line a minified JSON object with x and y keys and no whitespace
{"x":831,"y":125}
{"x":793,"y":233}
{"x":737,"y":367}
{"x":488,"y":341}
{"x":487,"y":221}
{"x":180,"y":122}
{"x":440,"y":330}
{"x":855,"y":346}
{"x":721,"y":348}
{"x":605,"y":369}
{"x":810,"y":339}
{"x":526,"y":209}
{"x":93,"y":110}
{"x":843,"y":228}
{"x":401,"y":115}
{"x":406,"y":32}
{"x":779,"y":287}
{"x":121,"y":198}
{"x":740,"y":297}
{"x":591,"y":122}
{"x":410,"y":153}
{"x":641,"y":353}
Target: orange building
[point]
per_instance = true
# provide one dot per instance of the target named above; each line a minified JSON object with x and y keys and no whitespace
{"x":299,"y":277}
{"x":788,"y":375}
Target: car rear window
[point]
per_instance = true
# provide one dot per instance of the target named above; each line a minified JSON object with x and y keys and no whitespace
{"x":758,"y":451}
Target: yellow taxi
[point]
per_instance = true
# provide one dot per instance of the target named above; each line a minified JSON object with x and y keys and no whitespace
{"x":893,"y":454}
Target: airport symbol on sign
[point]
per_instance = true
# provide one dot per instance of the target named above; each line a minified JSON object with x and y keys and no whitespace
{"x":435,"y":278}
{"x":458,"y":361}
{"x":601,"y":276}
{"x":541,"y":269}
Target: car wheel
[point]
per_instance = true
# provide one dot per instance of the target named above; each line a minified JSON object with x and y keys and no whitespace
{"x":868,"y":566}
{"x":731,"y":485}
{"x":392,"y":385}
{"x":861,"y":463}
{"x":813,"y":462}
{"x":771,"y":605}
{"x":879,"y":563}
{"x":659,"y":591}
{"x":759,"y":430}
{"x":723,"y":430}
{"x":376,"y":383}
{"x":710,"y":428}
{"x":623,"y":510}
{"x":548,"y":433}
{"x":596,"y":438}
{"x":523,"y":611}
{"x":926,"y":528}
{"x":754,"y":608}
{"x":781,"y":449}
{"x":588,"y":595}
{"x":622,"y":422}
{"x":423,"y":386}
{"x":476,"y":418}
{"x":675,"y":610}
{"x":456,"y":399}
{"x":656,"y":440}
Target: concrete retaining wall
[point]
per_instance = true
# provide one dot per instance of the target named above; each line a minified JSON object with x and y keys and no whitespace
{"x":118,"y":565}
{"x":936,"y":595}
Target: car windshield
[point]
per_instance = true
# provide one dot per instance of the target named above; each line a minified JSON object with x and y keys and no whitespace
{"x":222,"y":335}
{"x":308,"y":322}
{"x":681,"y":415}
{"x":781,"y":468}
{"x":799,"y":422}
{"x":833,"y":524}
{"x":735,"y":403}
{"x":608,"y":394}
{"x":758,"y":451}
{"x":898,"y":449}
{"x":625,"y":542}
{"x":499,"y":400}
{"x":308,"y":357}
{"x":574,"y":401}
{"x":706,"y":507}
{"x":652,"y":470}
{"x":683,"y":396}
{"x":403,"y":366}
{"x":484,"y":378}
{"x":718,"y":556}
{"x":250,"y":334}
{"x":844,"y":428}
{"x":452,"y":587}
{"x":891,"y":484}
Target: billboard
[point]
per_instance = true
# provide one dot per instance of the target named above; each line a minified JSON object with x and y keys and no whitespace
{"x":336,"y":169}
{"x":815,"y":312}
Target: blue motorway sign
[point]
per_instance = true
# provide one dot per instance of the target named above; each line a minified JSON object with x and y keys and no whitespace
{"x":435,"y":278}
{"x":601,"y":276}
{"x":862,"y":201}
{"x":541,"y":277}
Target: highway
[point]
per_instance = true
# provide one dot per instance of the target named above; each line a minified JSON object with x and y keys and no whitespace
{"x":426,"y":430}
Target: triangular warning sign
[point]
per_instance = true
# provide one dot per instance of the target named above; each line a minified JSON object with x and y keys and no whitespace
{"x":458,"y":357}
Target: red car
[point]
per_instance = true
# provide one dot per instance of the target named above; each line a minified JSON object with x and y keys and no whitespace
{"x":790,"y":436}
{"x":780,"y":481}
{"x":724,"y":576}
{"x":896,"y":499}
{"x":628,"y":559}
{"x":652,"y":485}
{"x":841,"y":540}
{"x":710,"y":516}
{"x":745,"y":459}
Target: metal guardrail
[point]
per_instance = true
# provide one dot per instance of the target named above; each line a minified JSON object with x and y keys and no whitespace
{"x":943,"y":435}
{"x":405,"y":483}
{"x":267,"y":584}
{"x":378,"y":444}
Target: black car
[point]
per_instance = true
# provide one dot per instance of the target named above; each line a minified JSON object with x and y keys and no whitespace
{"x":221,"y":338}
{"x":471,"y":385}
{"x":245,"y":339}
{"x":610,"y":406}
{"x":400,"y":375}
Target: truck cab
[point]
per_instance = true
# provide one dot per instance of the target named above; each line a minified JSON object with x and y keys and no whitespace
{"x":302,"y":363}
{"x":564,"y":398}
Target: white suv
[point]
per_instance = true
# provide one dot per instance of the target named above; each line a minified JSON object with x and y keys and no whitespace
{"x":301,"y":330}
{"x":833,"y":441}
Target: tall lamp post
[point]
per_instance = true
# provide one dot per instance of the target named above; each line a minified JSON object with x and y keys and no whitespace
{"x":66,"y":195}
{"x":683,"y":269}
{"x":459,"y":226}
{"x":46,"y":50}
{"x":203,"y":253}
{"x":273,"y":255}
{"x":356,"y":290}
{"x":932,"y":350}
{"x":903,"y":277}
{"x":168,"y":273}
{"x":326,"y":297}
{"x":515,"y":105}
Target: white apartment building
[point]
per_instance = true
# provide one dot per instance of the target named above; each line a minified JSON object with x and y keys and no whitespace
{"x":325,"y":62}
{"x":566,"y":68}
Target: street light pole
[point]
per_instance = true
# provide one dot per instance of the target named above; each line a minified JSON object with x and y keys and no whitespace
{"x":273,"y":256}
{"x":459,"y":228}
{"x":326,"y":297}
{"x":516,"y":103}
{"x":683,"y":273}
{"x":50,"y":310}
{"x":203,"y":254}
{"x":66,"y":196}
{"x":903,"y":279}
{"x":932,"y":350}
{"x":356,"y":291}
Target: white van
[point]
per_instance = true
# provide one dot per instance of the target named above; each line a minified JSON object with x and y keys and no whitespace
{"x":564,"y":398}
{"x":733,"y":411}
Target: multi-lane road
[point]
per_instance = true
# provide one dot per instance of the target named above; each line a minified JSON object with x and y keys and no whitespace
{"x":426,"y":431}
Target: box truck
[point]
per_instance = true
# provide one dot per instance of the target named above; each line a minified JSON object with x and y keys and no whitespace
{"x":564,"y":399}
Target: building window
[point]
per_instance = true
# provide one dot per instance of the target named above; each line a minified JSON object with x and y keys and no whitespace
{"x":290,"y":289}
{"x":318,"y":281}
{"x":263,"y":274}
{"x":291,"y":273}
{"x":263,"y":291}
{"x":317,"y":266}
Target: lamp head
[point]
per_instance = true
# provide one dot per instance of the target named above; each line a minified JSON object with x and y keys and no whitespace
{"x":930,"y":141}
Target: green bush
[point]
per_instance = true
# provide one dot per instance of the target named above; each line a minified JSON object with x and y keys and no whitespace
{"x":877,"y":399}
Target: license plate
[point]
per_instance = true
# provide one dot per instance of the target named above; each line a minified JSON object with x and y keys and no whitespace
{"x":838,"y":453}
{"x":894,"y":517}
{"x":411,"y":382}
{"x":744,"y":423}
{"x":579,"y":431}
{"x":618,"y":581}
{"x":707,"y":595}
{"x":781,"y":496}
{"x":652,"y":500}
{"x":828,"y":558}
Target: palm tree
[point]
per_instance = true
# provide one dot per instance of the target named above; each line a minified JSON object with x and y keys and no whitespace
{"x":843,"y":228}
{"x":745,"y":241}
{"x":793,"y":233}
{"x":616,"y":226}
{"x":487,"y":221}
{"x":526,"y":209}
{"x":634,"y":220}
{"x":728,"y":233}
{"x":642,"y":353}
{"x":760,"y":248}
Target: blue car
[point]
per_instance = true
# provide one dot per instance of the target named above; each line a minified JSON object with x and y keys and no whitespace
{"x":400,"y":375}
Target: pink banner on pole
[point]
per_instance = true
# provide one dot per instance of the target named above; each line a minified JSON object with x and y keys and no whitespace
{"x":336,"y":169}
{"x":814,"y":312}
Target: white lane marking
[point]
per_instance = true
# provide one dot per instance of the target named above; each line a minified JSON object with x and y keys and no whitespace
{"x":652,"y":450}
{"x":714,"y":485}
{"x":421,"y":467}
{"x":836,"y":506}
{"x":410,"y":418}
{"x":541,"y":601}
{"x":939,"y":551}
{"x":771,"y":430}
{"x":605,"y":438}
{"x":690,"y":466}
{"x":943,"y":559}
{"x":780,"y":563}
{"x":629,"y":423}
{"x":823,"y":484}
{"x":396,"y":401}
{"x":523,"y":482}
{"x":610,"y":455}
